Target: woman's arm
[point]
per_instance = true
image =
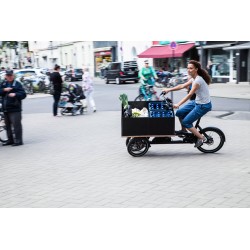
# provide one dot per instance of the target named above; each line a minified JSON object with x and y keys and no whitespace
{"x":178,"y":87}
{"x":187,"y":97}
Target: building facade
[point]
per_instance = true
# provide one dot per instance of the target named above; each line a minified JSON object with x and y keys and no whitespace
{"x":78,"y":54}
{"x":129,"y":51}
{"x":230,"y":59}
{"x":14,"y":54}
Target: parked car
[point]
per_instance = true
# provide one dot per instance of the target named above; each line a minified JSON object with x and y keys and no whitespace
{"x":121,"y":72}
{"x":62,"y":71}
{"x":33,"y":77}
{"x":21,"y":72}
{"x":73,"y":75}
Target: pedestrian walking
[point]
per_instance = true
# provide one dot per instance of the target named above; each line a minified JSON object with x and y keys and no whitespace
{"x":209,"y":68}
{"x":57,"y":81}
{"x":12,"y":94}
{"x":194,"y":109}
{"x":88,"y":88}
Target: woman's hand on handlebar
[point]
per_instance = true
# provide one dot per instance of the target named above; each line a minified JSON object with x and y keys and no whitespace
{"x":165,"y":91}
{"x":176,"y":106}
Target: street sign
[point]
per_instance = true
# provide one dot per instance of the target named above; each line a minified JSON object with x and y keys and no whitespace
{"x":173,"y":45}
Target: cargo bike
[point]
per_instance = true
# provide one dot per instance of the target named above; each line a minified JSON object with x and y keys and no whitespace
{"x":159,"y":128}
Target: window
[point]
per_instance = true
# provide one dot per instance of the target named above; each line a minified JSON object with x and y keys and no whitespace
{"x":134,"y":54}
{"x":220,"y":62}
{"x":78,"y":70}
{"x":114,"y":66}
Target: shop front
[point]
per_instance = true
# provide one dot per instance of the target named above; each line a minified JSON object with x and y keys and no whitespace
{"x":102,"y":59}
{"x":166,"y":58}
{"x":241,"y":59}
{"x":223,"y":61}
{"x":104,"y":53}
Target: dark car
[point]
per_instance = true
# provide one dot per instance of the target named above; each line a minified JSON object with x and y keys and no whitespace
{"x":73,"y":75}
{"x":121,"y":72}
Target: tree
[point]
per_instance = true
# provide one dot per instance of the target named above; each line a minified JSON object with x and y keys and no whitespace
{"x":14,"y":45}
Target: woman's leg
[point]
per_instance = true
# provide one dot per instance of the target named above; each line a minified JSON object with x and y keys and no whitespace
{"x":198,"y":111}
{"x":56,"y":101}
{"x":92,"y":101}
{"x":184,"y":111}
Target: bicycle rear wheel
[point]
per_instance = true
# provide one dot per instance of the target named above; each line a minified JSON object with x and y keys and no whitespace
{"x":215,"y":140}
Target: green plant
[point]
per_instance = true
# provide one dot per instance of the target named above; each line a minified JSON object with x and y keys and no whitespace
{"x":124,"y":100}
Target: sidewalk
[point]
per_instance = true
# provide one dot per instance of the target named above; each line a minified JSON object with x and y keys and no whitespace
{"x":226,"y":90}
{"x":59,"y":167}
{"x":230,"y":90}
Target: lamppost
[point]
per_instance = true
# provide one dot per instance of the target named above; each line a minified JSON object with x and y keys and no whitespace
{"x":202,"y":57}
{"x":19,"y":47}
{"x":51,"y":60}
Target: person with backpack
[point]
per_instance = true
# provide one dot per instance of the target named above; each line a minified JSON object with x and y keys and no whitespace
{"x":147,"y":75}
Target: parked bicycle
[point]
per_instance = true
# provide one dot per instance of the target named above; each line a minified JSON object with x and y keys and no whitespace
{"x":3,"y":133}
{"x":27,"y":83}
{"x":176,"y":80}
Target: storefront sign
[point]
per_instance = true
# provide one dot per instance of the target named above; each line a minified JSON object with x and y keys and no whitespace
{"x":103,"y":53}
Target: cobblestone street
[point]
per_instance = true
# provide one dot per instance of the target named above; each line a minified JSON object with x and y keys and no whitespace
{"x":82,"y":161}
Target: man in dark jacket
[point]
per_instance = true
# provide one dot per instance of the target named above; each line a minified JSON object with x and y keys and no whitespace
{"x":12,"y":94}
{"x":57,"y":81}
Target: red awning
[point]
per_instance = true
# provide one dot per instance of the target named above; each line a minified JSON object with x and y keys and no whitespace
{"x":165,"y":51}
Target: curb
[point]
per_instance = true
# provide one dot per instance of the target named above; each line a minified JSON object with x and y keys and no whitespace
{"x":37,"y":96}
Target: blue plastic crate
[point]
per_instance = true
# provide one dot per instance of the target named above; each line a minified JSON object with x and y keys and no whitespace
{"x":159,"y":110}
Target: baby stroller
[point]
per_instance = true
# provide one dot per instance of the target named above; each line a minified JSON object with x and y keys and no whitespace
{"x":73,"y":102}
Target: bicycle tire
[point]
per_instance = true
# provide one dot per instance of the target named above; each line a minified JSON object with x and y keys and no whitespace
{"x":212,"y":134}
{"x":127,"y":140}
{"x":139,"y":98}
{"x":138,"y":146}
{"x":3,"y":130}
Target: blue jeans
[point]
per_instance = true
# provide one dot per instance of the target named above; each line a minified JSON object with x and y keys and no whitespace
{"x":192,"y":112}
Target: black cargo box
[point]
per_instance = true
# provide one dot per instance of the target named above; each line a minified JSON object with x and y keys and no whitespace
{"x":146,"y":126}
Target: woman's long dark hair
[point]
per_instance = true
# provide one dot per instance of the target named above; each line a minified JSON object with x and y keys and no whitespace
{"x":201,"y":72}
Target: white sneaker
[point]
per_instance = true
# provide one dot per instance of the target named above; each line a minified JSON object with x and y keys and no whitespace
{"x":200,"y":142}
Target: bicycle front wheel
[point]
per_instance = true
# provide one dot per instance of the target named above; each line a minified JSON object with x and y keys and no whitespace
{"x":138,"y":146}
{"x":139,"y":98}
{"x":215,"y":139}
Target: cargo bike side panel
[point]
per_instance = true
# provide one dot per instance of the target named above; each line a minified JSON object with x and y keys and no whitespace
{"x":146,"y":126}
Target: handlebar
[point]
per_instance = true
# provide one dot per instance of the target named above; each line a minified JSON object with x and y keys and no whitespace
{"x":167,"y":99}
